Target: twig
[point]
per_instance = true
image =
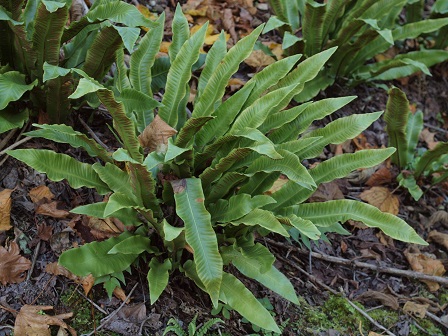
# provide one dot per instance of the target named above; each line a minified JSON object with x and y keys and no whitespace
{"x":14,"y":145}
{"x":436,"y":128}
{"x":367,"y":316}
{"x":91,"y":301}
{"x":436,"y":318}
{"x":92,"y":133}
{"x":347,"y":262}
{"x":115,"y":312}
{"x":36,"y":253}
{"x":7,"y":138}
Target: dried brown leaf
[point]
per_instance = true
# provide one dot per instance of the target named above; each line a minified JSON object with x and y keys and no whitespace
{"x":44,"y":232}
{"x":5,"y":209}
{"x":382,"y":198}
{"x":425,"y":264}
{"x":439,"y":238}
{"x":51,"y":209}
{"x":155,"y":136}
{"x":380,"y":177}
{"x":385,"y":299}
{"x":120,"y":294}
{"x":327,"y":192}
{"x":40,"y":193}
{"x":86,"y":282}
{"x":258,"y":59}
{"x":414,"y":309}
{"x":428,"y":138}
{"x":31,"y":321}
{"x":12,"y":264}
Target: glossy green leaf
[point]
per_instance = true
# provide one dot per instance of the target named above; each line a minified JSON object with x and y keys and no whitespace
{"x":158,"y":275}
{"x":93,"y":258}
{"x":12,"y":87}
{"x":59,"y":166}
{"x":236,"y":295}
{"x":199,"y":233}
{"x":263,"y":218}
{"x":133,"y":245}
{"x":10,"y":119}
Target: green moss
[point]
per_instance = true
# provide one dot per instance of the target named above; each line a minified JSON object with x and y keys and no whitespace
{"x":84,"y":318}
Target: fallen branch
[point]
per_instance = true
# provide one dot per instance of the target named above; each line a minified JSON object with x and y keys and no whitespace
{"x":360,"y":264}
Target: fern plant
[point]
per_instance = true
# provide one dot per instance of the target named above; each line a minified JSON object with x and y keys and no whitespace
{"x":403,"y":129}
{"x":175,"y":327}
{"x":361,"y":30}
{"x":34,"y":33}
{"x":197,"y":185}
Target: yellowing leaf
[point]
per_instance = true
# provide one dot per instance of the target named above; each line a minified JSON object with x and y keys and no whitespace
{"x":31,"y":321}
{"x":12,"y":264}
{"x":5,"y":209}
{"x":425,"y":264}
{"x":382,"y":198}
{"x":164,"y":47}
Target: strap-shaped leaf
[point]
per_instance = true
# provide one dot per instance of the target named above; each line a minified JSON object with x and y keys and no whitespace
{"x":313,"y":23}
{"x":214,"y":56}
{"x":224,"y":185}
{"x":213,"y":172}
{"x":224,"y":116}
{"x":334,"y":10}
{"x":327,"y":171}
{"x":66,"y":134}
{"x":236,"y":295}
{"x":411,"y":185}
{"x":396,"y":117}
{"x":113,"y":10}
{"x":199,"y":233}
{"x":132,"y":245}
{"x":256,"y":114}
{"x":181,"y":32}
{"x":144,"y":187}
{"x":297,"y":146}
{"x":304,"y":226}
{"x":326,"y":213}
{"x":59,"y":166}
{"x":137,"y":101}
{"x":12,"y":87}
{"x":48,"y":29}
{"x":338,"y":131}
{"x":263,"y":218}
{"x":114,"y":177}
{"x":237,"y":206}
{"x":269,"y":77}
{"x":189,"y":131}
{"x":93,"y":258}
{"x":289,"y":165}
{"x":179,"y":75}
{"x":413,"y":128}
{"x":261,"y":258}
{"x":143,"y":58}
{"x":276,"y":120}
{"x":313,"y":111}
{"x":101,"y":53}
{"x":217,"y":83}
{"x":58,"y":104}
{"x":75,"y":51}
{"x":128,"y":216}
{"x":158,"y":275}
{"x":259,"y":183}
{"x":122,"y":80}
{"x":429,"y":157}
{"x":272,"y":278}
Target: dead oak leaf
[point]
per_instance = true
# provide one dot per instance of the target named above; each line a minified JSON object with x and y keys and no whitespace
{"x":259,"y":59}
{"x":155,"y":136}
{"x":386,"y":299}
{"x":381,"y":198}
{"x":380,"y":177}
{"x":32,"y":321}
{"x":12,"y":264}
{"x":5,"y":209}
{"x":414,"y":309}
{"x":51,"y":209}
{"x":425,"y":264}
{"x":428,"y":138}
